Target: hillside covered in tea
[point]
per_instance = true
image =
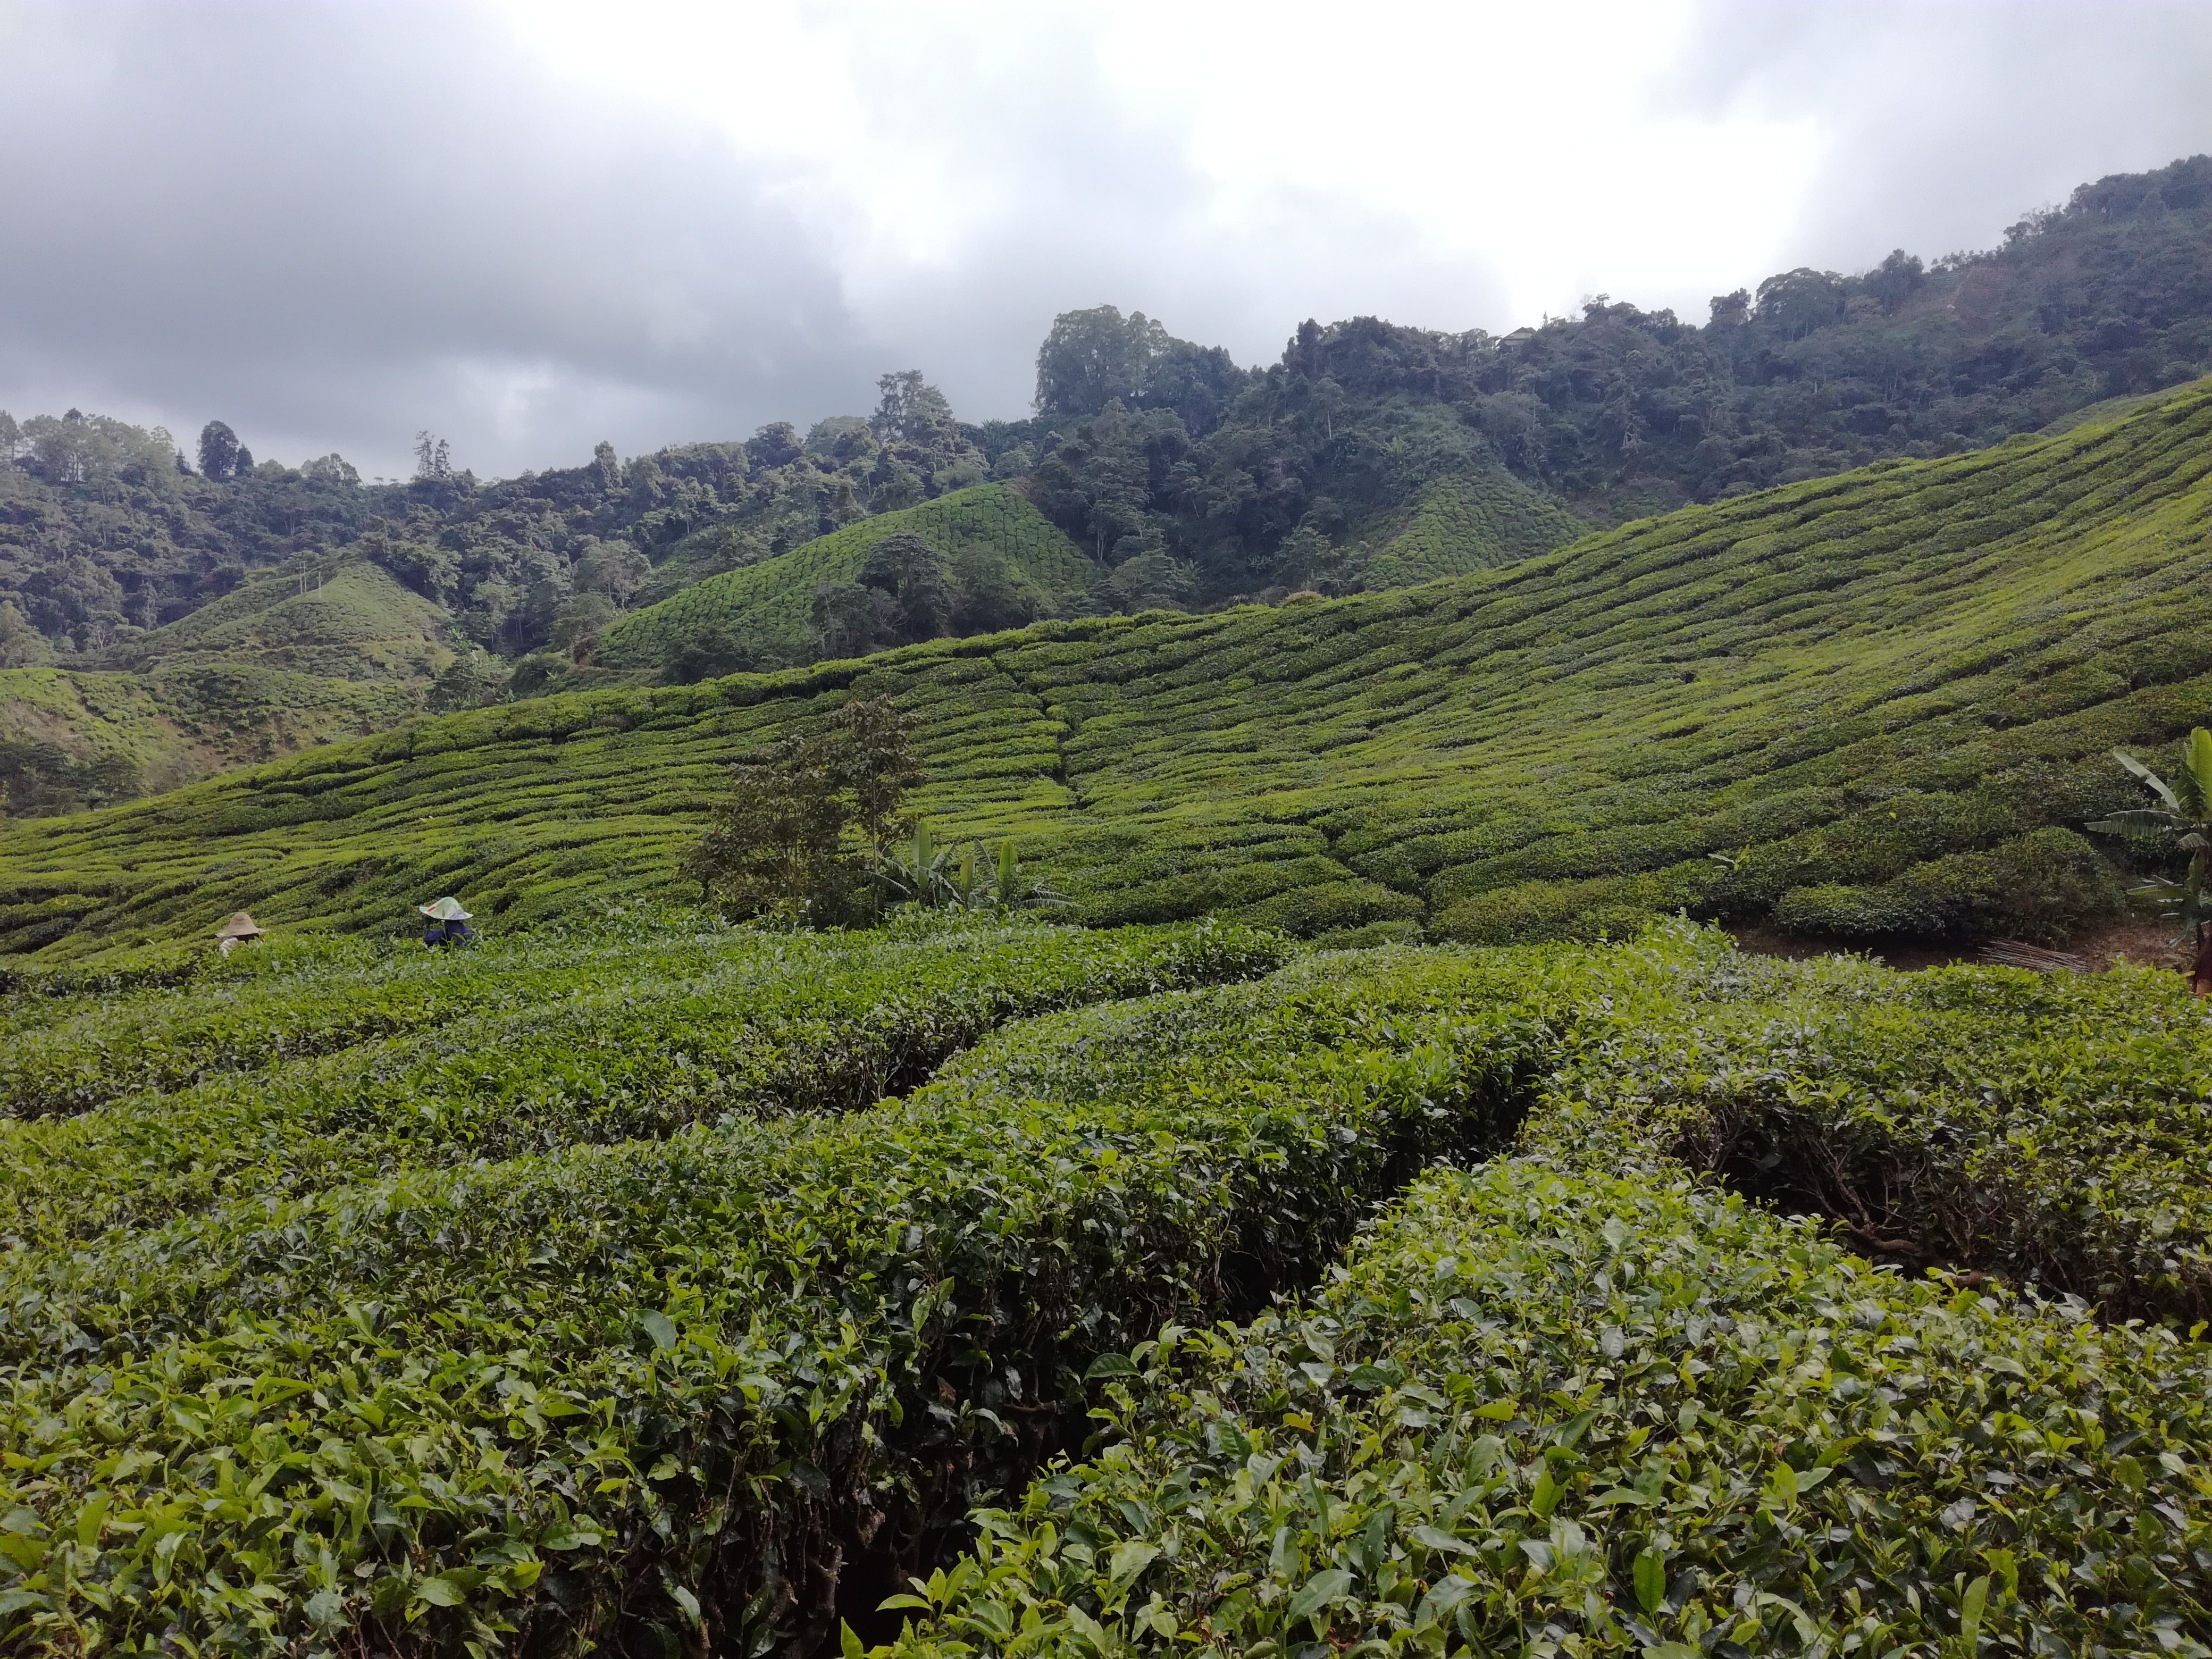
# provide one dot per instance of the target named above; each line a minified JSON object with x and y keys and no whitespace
{"x":1878,"y":704}
{"x":1372,"y":454}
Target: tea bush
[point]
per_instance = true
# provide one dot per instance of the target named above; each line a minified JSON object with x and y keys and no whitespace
{"x":527,"y":1046}
{"x":1544,"y":1409}
{"x":509,"y":1381}
{"x":674,"y":1383}
{"x":1855,"y":705}
{"x":2049,"y":1129}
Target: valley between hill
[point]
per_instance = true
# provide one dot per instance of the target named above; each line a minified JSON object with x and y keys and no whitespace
{"x":1874,"y":704}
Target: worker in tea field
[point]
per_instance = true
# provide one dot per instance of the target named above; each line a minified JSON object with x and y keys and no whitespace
{"x":449,"y":923}
{"x":240,"y":929}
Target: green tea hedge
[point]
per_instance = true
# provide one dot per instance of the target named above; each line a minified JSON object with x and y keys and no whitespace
{"x":2049,"y":1128}
{"x":1552,"y":1411}
{"x":725,"y":1385}
{"x":525,"y":1047}
{"x":689,"y":1385}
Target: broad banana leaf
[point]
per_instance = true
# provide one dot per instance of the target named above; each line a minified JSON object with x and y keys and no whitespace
{"x":2139,"y":821}
{"x":2196,"y":769}
{"x":2138,"y":770}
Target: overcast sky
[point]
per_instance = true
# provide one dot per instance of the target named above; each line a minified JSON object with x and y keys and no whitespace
{"x":530,"y":225}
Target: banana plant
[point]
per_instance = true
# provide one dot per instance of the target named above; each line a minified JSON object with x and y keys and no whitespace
{"x":2182,"y":818}
{"x":918,"y":872}
{"x":1012,"y":890}
{"x":940,"y":877}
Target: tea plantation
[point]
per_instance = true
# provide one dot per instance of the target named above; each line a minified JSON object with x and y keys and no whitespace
{"x":1874,"y":704}
{"x":655,"y":1288}
{"x":996,"y":544}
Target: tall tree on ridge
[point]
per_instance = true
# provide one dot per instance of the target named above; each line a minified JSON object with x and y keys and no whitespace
{"x":219,"y":450}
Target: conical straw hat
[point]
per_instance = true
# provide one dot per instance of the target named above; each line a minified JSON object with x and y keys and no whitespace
{"x":241,"y":926}
{"x":445,"y":909}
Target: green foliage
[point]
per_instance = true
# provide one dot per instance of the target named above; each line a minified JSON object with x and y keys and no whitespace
{"x":1581,"y":1394}
{"x":40,"y":778}
{"x":2042,"y":1128}
{"x":103,"y":736}
{"x":922,"y":871}
{"x":588,"y":1302}
{"x":800,"y":838}
{"x":288,"y":1071}
{"x":967,"y":562}
{"x":2183,"y":819}
{"x":1093,"y":358}
{"x":1462,"y":524}
{"x":1842,"y":684}
{"x":343,"y":618}
{"x":1620,"y":412}
{"x":669,"y":1379}
{"x":1637,"y":1415}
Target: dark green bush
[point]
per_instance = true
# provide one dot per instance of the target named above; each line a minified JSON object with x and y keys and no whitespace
{"x":1544,"y":1409}
{"x":667,"y":1386}
{"x":342,"y":1064}
{"x":2040,"y":887}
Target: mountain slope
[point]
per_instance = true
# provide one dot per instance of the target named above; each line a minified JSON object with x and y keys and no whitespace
{"x":1873,"y":703}
{"x":1620,"y":412}
{"x":1462,"y":524}
{"x":346,"y":619}
{"x":1260,"y":480}
{"x":1000,"y":551}
{"x":329,"y":647}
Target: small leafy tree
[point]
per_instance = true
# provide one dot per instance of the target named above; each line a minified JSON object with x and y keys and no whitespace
{"x":2182,"y":819}
{"x":800,"y":838}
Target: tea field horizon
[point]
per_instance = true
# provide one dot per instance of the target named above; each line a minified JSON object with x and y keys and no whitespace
{"x":1873,"y":705}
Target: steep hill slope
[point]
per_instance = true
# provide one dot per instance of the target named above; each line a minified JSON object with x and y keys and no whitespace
{"x":1461,"y":525}
{"x":71,"y":735}
{"x":1006,"y":565}
{"x":331,"y":647}
{"x":1874,"y":703}
{"x":343,"y":617}
{"x":1620,"y":412}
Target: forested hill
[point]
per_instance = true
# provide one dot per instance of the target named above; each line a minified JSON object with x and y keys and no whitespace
{"x":1371,"y":455}
{"x":107,"y":530}
{"x":1296,"y":476}
{"x":1876,"y":704}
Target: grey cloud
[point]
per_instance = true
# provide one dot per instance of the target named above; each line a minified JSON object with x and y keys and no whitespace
{"x":1945,"y":120}
{"x":333,"y":225}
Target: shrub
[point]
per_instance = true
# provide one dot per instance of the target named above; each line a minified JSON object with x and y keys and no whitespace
{"x":1540,"y":1407}
{"x":781,"y":845}
{"x":2039,"y":887}
{"x":660,"y":1391}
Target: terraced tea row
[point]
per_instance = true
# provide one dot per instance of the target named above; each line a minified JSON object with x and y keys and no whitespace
{"x":1876,"y":703}
{"x":528,"y":1048}
{"x":561,"y":1398}
{"x":727,"y":1385}
{"x":1544,"y":1409}
{"x":1580,"y":1401}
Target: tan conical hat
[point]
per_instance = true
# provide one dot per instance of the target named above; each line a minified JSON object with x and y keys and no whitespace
{"x":445,"y":909}
{"x":241,"y":926}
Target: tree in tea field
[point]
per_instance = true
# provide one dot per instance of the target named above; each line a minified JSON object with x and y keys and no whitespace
{"x":800,"y":836}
